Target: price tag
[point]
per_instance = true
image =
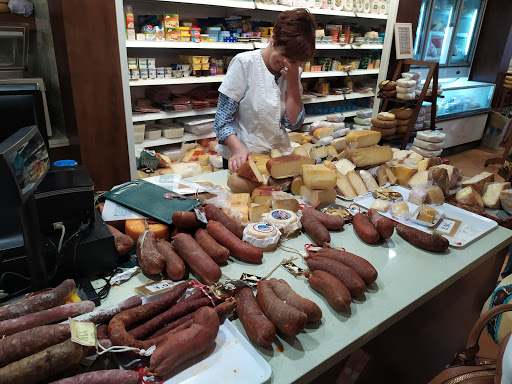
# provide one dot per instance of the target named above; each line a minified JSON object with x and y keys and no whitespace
{"x":293,"y":269}
{"x":447,"y":227}
{"x":153,"y":288}
{"x":83,"y":333}
{"x":250,"y":279}
{"x":201,"y":215}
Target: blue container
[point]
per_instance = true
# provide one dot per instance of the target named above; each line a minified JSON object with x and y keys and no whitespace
{"x":65,"y":163}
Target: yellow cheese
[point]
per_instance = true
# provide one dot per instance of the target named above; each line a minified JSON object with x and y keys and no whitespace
{"x":318,"y":152}
{"x":390,"y":174}
{"x":297,"y":184}
{"x":266,"y":200}
{"x":306,"y":139}
{"x":422,"y":165}
{"x":357,"y":183}
{"x":332,"y":151}
{"x":344,"y":166}
{"x":241,"y":202}
{"x":203,"y":159}
{"x":314,"y":196}
{"x":429,"y":211}
{"x":434,"y":195}
{"x":422,"y":216}
{"x":382,"y":175}
{"x":375,"y":155}
{"x":207,"y":168}
{"x":420,"y":177}
{"x":134,"y":228}
{"x":301,"y":151}
{"x":255,"y":212}
{"x":283,"y":200}
{"x":318,"y":176}
{"x":287,"y":166}
{"x":261,"y":162}
{"x":380,"y":205}
{"x":275,"y":153}
{"x":416,"y":157}
{"x":344,"y":186}
{"x":363,"y":138}
{"x":295,"y":137}
{"x":339,"y":144}
{"x":404,"y":173}
{"x":321,"y":133}
{"x":399,"y":208}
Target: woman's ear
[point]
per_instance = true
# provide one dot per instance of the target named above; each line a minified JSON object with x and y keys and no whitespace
{"x":271,"y":40}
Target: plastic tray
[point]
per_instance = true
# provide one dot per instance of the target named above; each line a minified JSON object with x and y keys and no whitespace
{"x":234,"y":360}
{"x":472,"y":226}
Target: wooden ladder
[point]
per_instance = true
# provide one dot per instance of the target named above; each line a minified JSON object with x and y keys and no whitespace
{"x":433,"y":73}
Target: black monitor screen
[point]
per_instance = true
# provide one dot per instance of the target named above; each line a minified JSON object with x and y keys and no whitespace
{"x":26,"y":156}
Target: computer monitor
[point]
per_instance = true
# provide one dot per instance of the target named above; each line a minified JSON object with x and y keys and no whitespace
{"x":24,"y":162}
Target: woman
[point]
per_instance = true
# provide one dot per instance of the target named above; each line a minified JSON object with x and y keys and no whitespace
{"x":261,"y":94}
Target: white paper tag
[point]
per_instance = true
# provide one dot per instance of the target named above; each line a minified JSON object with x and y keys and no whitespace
{"x":160,"y":286}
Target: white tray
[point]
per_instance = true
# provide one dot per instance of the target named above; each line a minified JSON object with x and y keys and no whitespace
{"x":234,"y":360}
{"x":472,"y":226}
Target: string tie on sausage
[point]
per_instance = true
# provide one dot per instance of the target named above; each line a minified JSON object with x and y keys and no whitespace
{"x":141,"y":371}
{"x":308,"y":246}
{"x":120,"y":348}
{"x":208,"y":293}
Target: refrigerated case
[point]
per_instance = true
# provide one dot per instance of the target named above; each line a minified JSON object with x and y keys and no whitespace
{"x":462,"y":113}
{"x":448,"y":30}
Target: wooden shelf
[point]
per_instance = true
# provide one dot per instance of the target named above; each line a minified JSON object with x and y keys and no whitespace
{"x":313,"y":118}
{"x":171,"y":115}
{"x":218,"y":3}
{"x":348,"y":96}
{"x":356,"y":72}
{"x":163,"y":141}
{"x":13,"y":18}
{"x":183,"y":45}
{"x":179,"y":80}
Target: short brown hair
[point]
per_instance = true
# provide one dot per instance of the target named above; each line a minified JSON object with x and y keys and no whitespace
{"x":294,"y":31}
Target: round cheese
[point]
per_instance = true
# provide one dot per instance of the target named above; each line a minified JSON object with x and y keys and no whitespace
{"x":431,"y":136}
{"x":426,"y":152}
{"x":406,"y":96}
{"x":405,"y":90}
{"x":426,"y":145}
{"x":262,"y":235}
{"x":402,"y":113}
{"x":399,"y":209}
{"x":406,"y":83}
{"x":364,"y":114}
{"x":361,"y":121}
{"x":384,"y":131}
{"x":386,"y":116}
{"x":135,"y":227}
{"x":384,"y":123}
{"x":359,"y":127}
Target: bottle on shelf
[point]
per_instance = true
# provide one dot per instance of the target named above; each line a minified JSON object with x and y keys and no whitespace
{"x":129,"y":22}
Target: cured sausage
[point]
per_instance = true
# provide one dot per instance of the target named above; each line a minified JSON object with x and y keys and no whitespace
{"x":314,"y":228}
{"x":150,"y":260}
{"x":358,"y":264}
{"x":174,"y":265}
{"x":238,"y":248}
{"x":217,"y":252}
{"x":201,"y":264}
{"x":331,"y":222}
{"x":215,"y":214}
{"x":346,"y":275}
{"x":384,"y":226}
{"x":423,"y":240}
{"x":334,"y":291}
{"x":365,"y":230}
{"x":258,"y":327}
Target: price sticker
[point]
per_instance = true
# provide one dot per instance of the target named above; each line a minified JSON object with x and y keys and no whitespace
{"x":153,"y":288}
{"x":159,"y":286}
{"x":83,"y":333}
{"x":293,"y":269}
{"x":447,"y":227}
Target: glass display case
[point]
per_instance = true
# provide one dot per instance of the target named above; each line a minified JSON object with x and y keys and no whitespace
{"x":464,"y":98}
{"x":447,"y":31}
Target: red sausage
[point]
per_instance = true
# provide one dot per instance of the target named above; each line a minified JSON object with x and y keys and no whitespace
{"x":384,"y":226}
{"x":174,"y":265}
{"x":358,"y":264}
{"x":238,"y":248}
{"x":202,"y":265}
{"x":38,"y":303}
{"x":331,"y":222}
{"x":286,"y":318}
{"x":123,"y":243}
{"x":334,"y":291}
{"x":366,"y":231}
{"x":423,"y":240}
{"x":315,"y":229}
{"x":215,"y":214}
{"x":258,"y":327}
{"x":217,"y":252}
{"x":186,"y":344}
{"x":150,"y":260}
{"x":290,"y":297}
{"x":185,"y":220}
{"x":346,"y":275}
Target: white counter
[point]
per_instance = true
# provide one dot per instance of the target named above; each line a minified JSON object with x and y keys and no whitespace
{"x":408,"y":277}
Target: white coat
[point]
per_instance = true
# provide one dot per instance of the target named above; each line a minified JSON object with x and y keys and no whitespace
{"x":261,"y":105}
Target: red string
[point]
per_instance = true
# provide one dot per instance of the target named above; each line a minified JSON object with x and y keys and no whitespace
{"x":204,"y":212}
{"x":202,"y":288}
{"x":302,"y":206}
{"x":141,"y":372}
{"x":307,"y":246}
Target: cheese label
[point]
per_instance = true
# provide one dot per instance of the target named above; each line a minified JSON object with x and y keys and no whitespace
{"x":263,"y":228}
{"x":447,"y":227}
{"x":280,"y":214}
{"x":83,"y":333}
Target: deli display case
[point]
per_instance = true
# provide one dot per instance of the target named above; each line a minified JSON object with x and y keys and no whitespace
{"x":448,"y":30}
{"x":462,"y":112}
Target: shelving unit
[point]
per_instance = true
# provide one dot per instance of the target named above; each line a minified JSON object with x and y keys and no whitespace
{"x":352,"y":113}
{"x":225,"y":8}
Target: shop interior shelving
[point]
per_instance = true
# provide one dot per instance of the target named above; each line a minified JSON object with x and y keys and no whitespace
{"x":169,"y":51}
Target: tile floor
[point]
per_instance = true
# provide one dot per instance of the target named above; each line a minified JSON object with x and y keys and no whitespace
{"x":470,"y":163}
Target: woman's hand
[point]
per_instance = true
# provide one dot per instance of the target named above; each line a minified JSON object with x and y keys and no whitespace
{"x":291,"y":73}
{"x":238,"y":158}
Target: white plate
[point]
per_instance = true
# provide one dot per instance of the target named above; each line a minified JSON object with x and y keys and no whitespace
{"x":471,"y":228}
{"x":234,"y":360}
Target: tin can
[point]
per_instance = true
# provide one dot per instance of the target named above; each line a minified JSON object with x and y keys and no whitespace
{"x":152,"y":73}
{"x":144,"y":73}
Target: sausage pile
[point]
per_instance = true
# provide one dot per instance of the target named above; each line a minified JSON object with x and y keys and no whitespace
{"x":373,"y":227}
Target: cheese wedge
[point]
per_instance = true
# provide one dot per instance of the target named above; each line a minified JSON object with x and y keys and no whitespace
{"x":344,"y":187}
{"x":287,"y":166}
{"x":318,"y":176}
{"x":363,"y":138}
{"x":357,"y":183}
{"x":323,"y":197}
{"x":256,"y":210}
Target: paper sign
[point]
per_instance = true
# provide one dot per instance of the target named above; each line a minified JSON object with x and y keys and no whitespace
{"x":447,"y":227}
{"x":83,"y":333}
{"x":293,"y":269}
{"x":153,"y":288}
{"x":113,"y":212}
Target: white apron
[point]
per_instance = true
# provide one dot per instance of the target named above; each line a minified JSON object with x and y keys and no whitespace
{"x":261,"y":105}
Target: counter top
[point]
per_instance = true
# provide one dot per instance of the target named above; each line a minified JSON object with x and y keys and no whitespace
{"x":408,"y":277}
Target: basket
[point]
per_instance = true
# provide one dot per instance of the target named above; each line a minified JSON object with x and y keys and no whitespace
{"x":506,"y":223}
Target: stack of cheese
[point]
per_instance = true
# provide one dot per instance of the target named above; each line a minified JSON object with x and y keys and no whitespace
{"x":406,"y":88}
{"x":508,"y":82}
{"x":385,"y":123}
{"x":362,"y":120}
{"x":481,"y":191}
{"x":429,"y":90}
{"x":403,"y":116}
{"x":388,"y":89}
{"x":319,"y":182}
{"x":429,"y":143}
{"x":324,"y":132}
{"x":299,"y":138}
{"x":353,"y":183}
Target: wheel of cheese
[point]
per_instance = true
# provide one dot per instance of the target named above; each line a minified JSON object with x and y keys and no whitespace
{"x":402,"y":129}
{"x":387,"y":85}
{"x":416,"y":76}
{"x":431,"y":136}
{"x":359,"y":127}
{"x":389,"y":93}
{"x":508,"y":82}
{"x":360,"y":121}
{"x":405,"y":90}
{"x":386,"y":116}
{"x":364,"y":114}
{"x":134,"y":227}
{"x":401,"y":122}
{"x":508,"y":78}
{"x":425,"y":152}
{"x":383,"y":123}
{"x":406,"y":96}
{"x":418,"y":127}
{"x":426,"y":145}
{"x":406,"y":83}
{"x":384,"y":131}
{"x":402,"y":113}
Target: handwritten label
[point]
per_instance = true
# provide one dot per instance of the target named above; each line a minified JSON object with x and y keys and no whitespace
{"x":83,"y":333}
{"x":447,"y":227}
{"x":160,"y":286}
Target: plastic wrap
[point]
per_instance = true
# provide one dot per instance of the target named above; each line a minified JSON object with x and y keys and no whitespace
{"x":398,"y":213}
{"x":418,"y":193}
{"x":222,"y":200}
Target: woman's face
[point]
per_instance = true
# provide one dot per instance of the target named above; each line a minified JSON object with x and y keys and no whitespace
{"x":276,"y":58}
